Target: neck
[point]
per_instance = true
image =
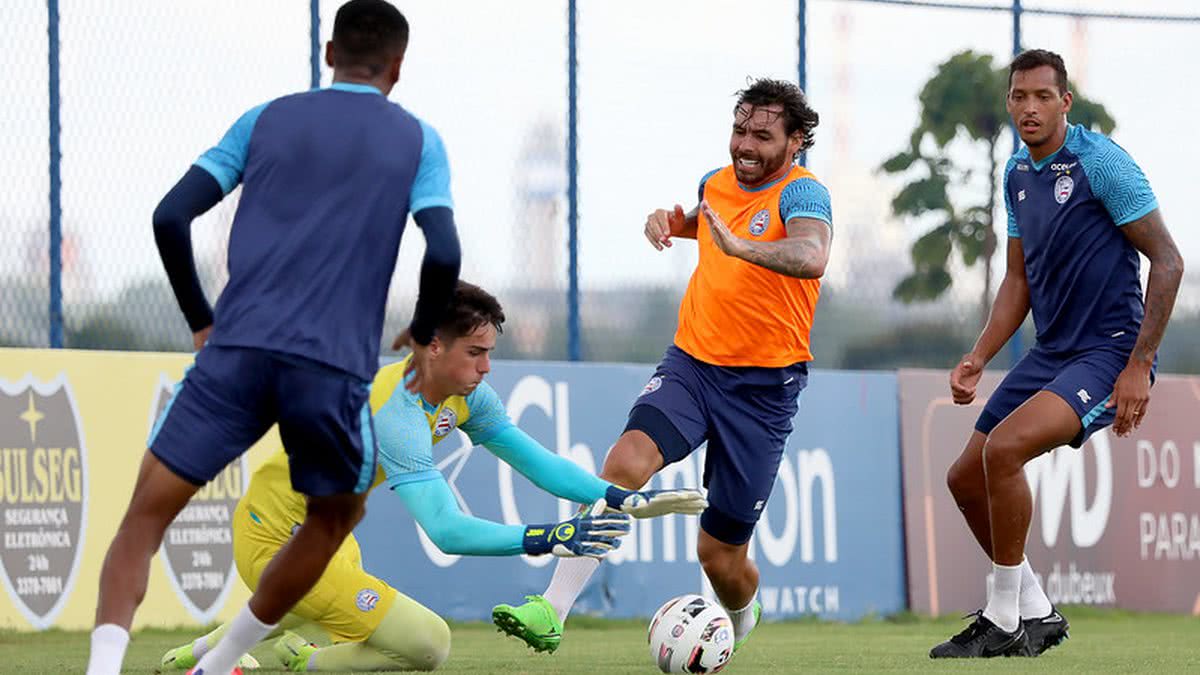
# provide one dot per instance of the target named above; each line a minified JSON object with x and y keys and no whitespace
{"x":433,"y":394}
{"x":362,"y":77}
{"x":1051,"y":145}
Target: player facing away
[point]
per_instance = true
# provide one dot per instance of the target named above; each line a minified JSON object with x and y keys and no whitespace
{"x":329,"y":177}
{"x":1079,"y":211}
{"x":374,"y":627}
{"x":739,"y":359}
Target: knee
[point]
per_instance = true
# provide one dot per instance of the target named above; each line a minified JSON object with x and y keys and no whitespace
{"x":966,"y":482}
{"x":632,"y":461}
{"x":1003,"y":453}
{"x":433,"y":647}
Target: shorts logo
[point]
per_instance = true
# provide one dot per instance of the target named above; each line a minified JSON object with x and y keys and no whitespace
{"x":1063,"y":188}
{"x":1021,"y":196}
{"x":652,"y":386}
{"x":759,"y":504}
{"x":760,"y":222}
{"x":447,"y":420}
{"x":366,"y":600}
{"x":1084,"y":396}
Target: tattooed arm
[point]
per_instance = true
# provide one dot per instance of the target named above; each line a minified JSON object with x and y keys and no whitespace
{"x":803,"y":253}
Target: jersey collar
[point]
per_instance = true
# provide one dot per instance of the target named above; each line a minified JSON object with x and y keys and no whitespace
{"x":355,"y":87}
{"x":1039,"y":165}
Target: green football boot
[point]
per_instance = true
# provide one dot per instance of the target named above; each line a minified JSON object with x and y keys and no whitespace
{"x":294,"y":651}
{"x":535,"y":622}
{"x":183,"y":658}
{"x":757,"y":618}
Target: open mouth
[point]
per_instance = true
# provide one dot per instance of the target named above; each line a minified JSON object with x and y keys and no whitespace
{"x":746,"y":163}
{"x":1030,"y":125}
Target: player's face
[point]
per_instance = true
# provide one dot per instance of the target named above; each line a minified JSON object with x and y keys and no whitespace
{"x":760,"y":147}
{"x":1037,"y":106}
{"x":462,"y":363}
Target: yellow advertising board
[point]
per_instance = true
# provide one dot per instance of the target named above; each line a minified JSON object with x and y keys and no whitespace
{"x":73,"y":430}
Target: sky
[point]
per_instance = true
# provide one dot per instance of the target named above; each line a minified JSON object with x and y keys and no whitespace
{"x":148,"y":85}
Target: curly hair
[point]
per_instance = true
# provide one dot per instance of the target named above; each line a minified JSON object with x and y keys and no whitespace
{"x":1035,"y":58}
{"x":797,"y":116}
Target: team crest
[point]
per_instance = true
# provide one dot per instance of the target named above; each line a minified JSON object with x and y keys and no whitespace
{"x":43,"y":495}
{"x":366,"y":600}
{"x":652,"y":386}
{"x":760,"y":222}
{"x":1063,"y":187}
{"x":447,"y":421}
{"x":197,"y":548}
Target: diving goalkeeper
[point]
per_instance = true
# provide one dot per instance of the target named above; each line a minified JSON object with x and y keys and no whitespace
{"x":372,"y":625}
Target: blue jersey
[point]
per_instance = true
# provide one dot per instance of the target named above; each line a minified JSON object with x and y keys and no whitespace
{"x":1067,"y":209}
{"x":329,"y":177}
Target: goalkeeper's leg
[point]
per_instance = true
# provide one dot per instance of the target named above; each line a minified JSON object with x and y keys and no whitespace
{"x":410,"y":637}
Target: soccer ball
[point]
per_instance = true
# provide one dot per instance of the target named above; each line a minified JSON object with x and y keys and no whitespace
{"x":690,"y":634}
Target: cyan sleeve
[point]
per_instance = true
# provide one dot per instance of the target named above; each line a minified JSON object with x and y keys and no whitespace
{"x":805,"y":198}
{"x":703,"y":181}
{"x":435,"y":509}
{"x":487,"y":416}
{"x":549,"y":471}
{"x":431,"y":187}
{"x":226,"y":161}
{"x":405,"y":442}
{"x":1013,"y":230}
{"x":1118,"y":182}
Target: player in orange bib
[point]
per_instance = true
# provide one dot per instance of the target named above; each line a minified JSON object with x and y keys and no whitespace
{"x":741,"y":352}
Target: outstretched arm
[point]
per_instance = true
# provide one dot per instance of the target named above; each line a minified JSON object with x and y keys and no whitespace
{"x":435,"y":509}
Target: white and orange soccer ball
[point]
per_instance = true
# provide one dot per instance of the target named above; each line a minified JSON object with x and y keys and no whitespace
{"x":690,"y":634}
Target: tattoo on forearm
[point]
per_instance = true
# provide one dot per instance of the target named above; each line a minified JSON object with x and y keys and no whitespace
{"x":800,"y":258}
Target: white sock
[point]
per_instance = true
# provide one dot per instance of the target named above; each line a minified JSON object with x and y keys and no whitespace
{"x":1002,"y":607}
{"x":244,"y":632}
{"x":570,"y":576}
{"x":743,"y":619}
{"x":1034,"y":604}
{"x":108,"y":649}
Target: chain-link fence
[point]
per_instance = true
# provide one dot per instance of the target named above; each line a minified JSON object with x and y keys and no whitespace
{"x":146,"y":86}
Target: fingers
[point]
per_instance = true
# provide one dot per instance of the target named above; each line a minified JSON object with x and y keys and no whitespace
{"x":658,"y":229}
{"x":598,"y":549}
{"x":608,"y":525}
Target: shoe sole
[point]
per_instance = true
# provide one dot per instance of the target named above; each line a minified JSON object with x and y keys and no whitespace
{"x":511,"y":625}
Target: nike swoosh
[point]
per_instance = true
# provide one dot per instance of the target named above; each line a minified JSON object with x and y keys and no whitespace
{"x":789,"y":380}
{"x":1057,"y":618}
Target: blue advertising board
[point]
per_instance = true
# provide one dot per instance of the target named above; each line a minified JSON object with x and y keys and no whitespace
{"x":830,"y":542}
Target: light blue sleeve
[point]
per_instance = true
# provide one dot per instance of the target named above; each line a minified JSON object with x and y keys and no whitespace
{"x":488,"y":416}
{"x":405,"y":444}
{"x":431,"y":187}
{"x":805,"y":198}
{"x":436,"y":510}
{"x":549,"y":471}
{"x":1118,"y":182}
{"x":1013,"y":230}
{"x":227,"y":159}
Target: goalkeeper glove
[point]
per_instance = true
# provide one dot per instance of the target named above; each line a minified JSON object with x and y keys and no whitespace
{"x":584,"y":535}
{"x":651,"y":503}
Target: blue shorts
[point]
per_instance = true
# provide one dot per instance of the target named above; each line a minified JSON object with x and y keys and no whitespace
{"x":232,"y":396}
{"x":1083,"y":379}
{"x":744,"y":413}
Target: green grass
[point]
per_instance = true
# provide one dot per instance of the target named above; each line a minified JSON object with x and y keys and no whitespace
{"x":1101,"y":642}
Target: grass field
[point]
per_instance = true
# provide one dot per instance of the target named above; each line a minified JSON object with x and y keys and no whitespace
{"x":1101,"y":642}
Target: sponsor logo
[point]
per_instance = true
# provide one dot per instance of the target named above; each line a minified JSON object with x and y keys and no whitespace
{"x":366,"y":600}
{"x":1063,"y":167}
{"x":652,"y":386}
{"x":197,"y":548}
{"x":43,"y":495}
{"x":760,"y":222}
{"x":1063,"y":187}
{"x":1022,"y":167}
{"x":447,"y":421}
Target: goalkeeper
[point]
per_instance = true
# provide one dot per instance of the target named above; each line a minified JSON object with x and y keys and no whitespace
{"x":372,"y":625}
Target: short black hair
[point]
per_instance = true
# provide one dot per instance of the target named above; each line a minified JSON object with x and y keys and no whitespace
{"x":369,"y":33}
{"x":1036,"y":58}
{"x":471,"y":309}
{"x":797,"y":116}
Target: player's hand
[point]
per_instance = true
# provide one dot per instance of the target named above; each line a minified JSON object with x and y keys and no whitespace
{"x":1131,"y":398}
{"x":653,"y":503}
{"x":418,"y":365}
{"x":661,"y":224}
{"x":591,"y":536}
{"x":200,"y":337}
{"x":722,"y":236}
{"x":965,"y":377}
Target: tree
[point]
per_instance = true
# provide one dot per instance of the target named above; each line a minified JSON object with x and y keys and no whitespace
{"x":962,"y":115}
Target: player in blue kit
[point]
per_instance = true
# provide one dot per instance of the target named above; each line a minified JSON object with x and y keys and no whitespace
{"x":329,"y":177}
{"x":1079,"y":212}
